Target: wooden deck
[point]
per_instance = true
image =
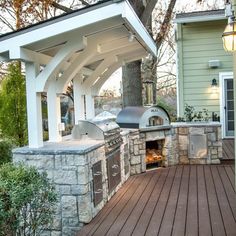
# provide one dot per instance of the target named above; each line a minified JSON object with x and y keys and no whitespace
{"x":228,"y":149}
{"x":181,"y":200}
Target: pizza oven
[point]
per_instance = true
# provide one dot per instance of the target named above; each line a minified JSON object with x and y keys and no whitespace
{"x":143,"y":117}
{"x":154,"y":124}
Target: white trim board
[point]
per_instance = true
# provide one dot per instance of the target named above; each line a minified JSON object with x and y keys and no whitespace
{"x":222,"y":77}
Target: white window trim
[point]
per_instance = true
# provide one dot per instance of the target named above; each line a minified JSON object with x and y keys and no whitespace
{"x":222,"y":77}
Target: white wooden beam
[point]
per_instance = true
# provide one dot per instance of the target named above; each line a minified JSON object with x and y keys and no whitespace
{"x":100,"y":70}
{"x":96,"y":87}
{"x":79,"y":62}
{"x":85,"y":56}
{"x":53,"y":67}
{"x":105,"y":47}
{"x":34,"y":109}
{"x":115,"y":52}
{"x":116,"y":65}
{"x":27,"y":55}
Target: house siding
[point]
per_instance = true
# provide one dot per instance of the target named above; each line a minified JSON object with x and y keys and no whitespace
{"x":197,"y":43}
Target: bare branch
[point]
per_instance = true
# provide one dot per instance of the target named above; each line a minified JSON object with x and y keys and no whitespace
{"x":165,"y":24}
{"x":61,"y":7}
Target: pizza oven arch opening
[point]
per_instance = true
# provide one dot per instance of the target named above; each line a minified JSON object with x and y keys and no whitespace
{"x":155,"y":120}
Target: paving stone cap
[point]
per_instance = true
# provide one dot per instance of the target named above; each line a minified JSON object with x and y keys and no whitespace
{"x":195,"y":124}
{"x":64,"y":147}
{"x":157,"y":127}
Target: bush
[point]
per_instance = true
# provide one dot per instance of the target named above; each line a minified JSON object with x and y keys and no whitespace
{"x":5,"y":152}
{"x":192,"y":115}
{"x":26,"y":201}
{"x":13,"y":121}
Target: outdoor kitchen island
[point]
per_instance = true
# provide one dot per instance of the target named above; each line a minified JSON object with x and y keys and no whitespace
{"x":89,"y":169}
{"x":79,"y":170}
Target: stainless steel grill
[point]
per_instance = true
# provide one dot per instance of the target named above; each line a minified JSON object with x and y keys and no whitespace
{"x":106,"y":130}
{"x":143,"y":117}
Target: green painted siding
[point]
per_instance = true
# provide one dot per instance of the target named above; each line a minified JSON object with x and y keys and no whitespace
{"x":197,"y":43}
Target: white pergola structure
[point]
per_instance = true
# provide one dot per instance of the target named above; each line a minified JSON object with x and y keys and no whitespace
{"x":85,"y":46}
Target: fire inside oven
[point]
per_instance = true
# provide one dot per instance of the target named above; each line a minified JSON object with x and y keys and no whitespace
{"x":154,"y":153}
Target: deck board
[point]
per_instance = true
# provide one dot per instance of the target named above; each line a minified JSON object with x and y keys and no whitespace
{"x":192,"y":208}
{"x":156,"y":219}
{"x":226,"y":211}
{"x":168,"y":219}
{"x":181,"y":208}
{"x":204,"y":226}
{"x":120,"y":220}
{"x":217,"y":224}
{"x":228,"y":149}
{"x":111,"y":217}
{"x":131,"y":222}
{"x":144,"y":219}
{"x":175,"y":201}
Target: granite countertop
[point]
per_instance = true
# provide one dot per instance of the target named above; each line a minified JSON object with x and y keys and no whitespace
{"x":67,"y":146}
{"x":195,"y":124}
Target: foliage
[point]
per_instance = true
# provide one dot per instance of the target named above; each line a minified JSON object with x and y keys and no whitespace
{"x":191,"y":115}
{"x":26,"y":201}
{"x":168,"y":106}
{"x":13,"y":123}
{"x":24,"y":11}
{"x":5,"y":151}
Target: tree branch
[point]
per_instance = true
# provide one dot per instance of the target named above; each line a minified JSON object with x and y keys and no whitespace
{"x":165,"y":24}
{"x":61,"y":7}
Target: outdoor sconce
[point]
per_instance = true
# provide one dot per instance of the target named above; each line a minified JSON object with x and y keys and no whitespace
{"x":229,"y":36}
{"x":214,"y":85}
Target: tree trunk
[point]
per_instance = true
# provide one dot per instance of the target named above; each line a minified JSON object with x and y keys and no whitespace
{"x":132,"y":84}
{"x":131,"y":72}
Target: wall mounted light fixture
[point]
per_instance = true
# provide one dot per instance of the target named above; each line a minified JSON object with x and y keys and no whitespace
{"x":214,"y":85}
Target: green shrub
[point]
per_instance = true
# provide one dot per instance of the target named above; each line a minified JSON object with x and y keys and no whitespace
{"x":191,"y":115}
{"x":26,"y":201}
{"x":5,"y":151}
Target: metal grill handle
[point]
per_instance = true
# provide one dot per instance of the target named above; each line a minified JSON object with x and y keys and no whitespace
{"x":97,"y":173}
{"x":98,"y":191}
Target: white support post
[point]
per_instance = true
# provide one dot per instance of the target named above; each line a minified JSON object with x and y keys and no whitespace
{"x":54,"y":114}
{"x":89,"y":103}
{"x":34,"y":107}
{"x":79,"y":108}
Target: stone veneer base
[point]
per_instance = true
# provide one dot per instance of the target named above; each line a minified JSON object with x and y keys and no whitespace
{"x":69,"y":166}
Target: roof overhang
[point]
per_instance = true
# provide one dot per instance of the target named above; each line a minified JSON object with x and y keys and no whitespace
{"x":83,"y":22}
{"x":203,"y":16}
{"x":93,"y":41}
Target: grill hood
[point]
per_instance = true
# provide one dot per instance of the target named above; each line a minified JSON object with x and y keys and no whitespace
{"x":143,"y":117}
{"x":94,"y":129}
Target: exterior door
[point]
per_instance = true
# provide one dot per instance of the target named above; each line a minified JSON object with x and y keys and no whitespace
{"x":229,"y":107}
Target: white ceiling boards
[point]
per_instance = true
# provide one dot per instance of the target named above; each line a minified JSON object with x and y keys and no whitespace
{"x":85,"y":46}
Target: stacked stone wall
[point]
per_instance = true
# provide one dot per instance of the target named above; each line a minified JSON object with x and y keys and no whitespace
{"x":213,"y":145}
